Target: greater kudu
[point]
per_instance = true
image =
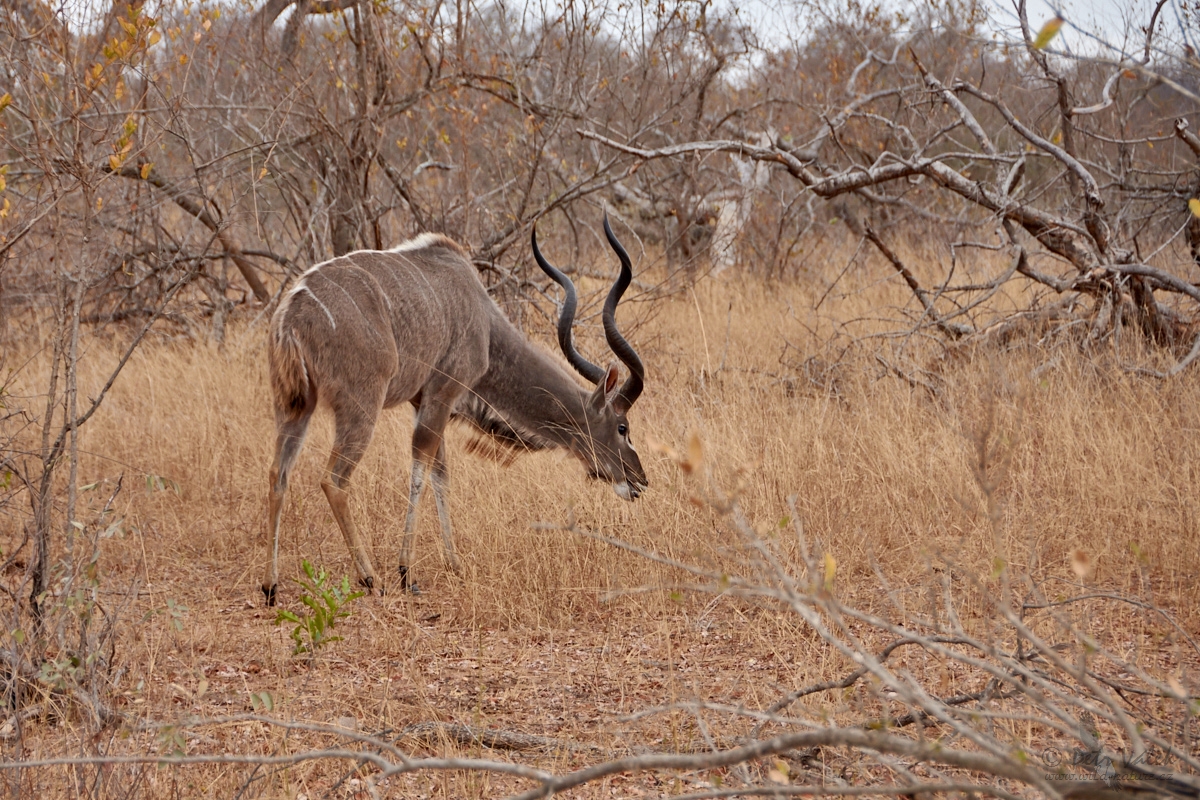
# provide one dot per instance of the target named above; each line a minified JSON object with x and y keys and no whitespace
{"x":375,"y":328}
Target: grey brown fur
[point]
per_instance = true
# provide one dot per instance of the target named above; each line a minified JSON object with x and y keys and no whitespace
{"x":373,"y":329}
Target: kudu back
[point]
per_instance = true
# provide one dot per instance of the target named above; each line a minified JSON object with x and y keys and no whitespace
{"x":374,"y":329}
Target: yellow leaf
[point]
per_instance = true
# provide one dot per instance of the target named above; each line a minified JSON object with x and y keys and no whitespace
{"x":183,"y":59}
{"x":830,"y":571}
{"x":129,"y":27}
{"x":207,"y":25}
{"x":5,"y":208}
{"x":3,"y":183}
{"x":1056,"y":138}
{"x":146,"y":170}
{"x":5,"y":101}
{"x":114,"y":162}
{"x":1047,"y":33}
{"x":1194,"y":207}
{"x":154,"y":38}
{"x":262,"y":173}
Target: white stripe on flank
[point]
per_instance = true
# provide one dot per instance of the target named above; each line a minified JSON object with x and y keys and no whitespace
{"x":302,"y":288}
{"x":418,"y":243}
{"x":348,"y":297}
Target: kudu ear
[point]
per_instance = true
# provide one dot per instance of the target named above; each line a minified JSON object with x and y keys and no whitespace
{"x":606,"y":390}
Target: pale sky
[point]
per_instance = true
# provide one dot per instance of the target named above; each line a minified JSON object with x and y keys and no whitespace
{"x":1116,"y":21}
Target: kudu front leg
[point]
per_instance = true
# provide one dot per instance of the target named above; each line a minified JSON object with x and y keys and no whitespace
{"x":428,"y":461}
{"x":416,"y":487}
{"x":441,"y":498}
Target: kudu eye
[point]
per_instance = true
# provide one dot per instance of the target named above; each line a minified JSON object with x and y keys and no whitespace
{"x":622,"y":429}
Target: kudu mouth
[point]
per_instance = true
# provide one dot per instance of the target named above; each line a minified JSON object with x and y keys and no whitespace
{"x":627,"y":490}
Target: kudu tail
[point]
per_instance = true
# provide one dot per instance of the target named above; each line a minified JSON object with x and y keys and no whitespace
{"x":290,"y":383}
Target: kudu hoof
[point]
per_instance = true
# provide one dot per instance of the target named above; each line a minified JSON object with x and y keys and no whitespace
{"x":371,"y":585}
{"x":269,"y":593}
{"x":407,"y":584}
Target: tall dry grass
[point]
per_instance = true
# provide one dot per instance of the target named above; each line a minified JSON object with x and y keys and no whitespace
{"x":883,"y":472}
{"x":1097,"y":459}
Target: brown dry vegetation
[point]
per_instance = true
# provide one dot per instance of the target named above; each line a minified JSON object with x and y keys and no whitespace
{"x":552,"y":633}
{"x":919,"y":308}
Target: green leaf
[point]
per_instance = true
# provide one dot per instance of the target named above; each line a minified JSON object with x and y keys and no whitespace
{"x":326,"y":605}
{"x":262,"y":701}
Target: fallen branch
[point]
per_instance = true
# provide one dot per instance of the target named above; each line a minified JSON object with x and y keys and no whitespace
{"x":431,"y":732}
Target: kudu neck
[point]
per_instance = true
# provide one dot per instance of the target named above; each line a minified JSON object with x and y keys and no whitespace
{"x":530,"y":390}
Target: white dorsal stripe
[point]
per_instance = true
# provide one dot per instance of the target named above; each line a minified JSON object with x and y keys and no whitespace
{"x":417,"y":243}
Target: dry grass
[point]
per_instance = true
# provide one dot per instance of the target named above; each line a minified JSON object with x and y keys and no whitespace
{"x":547,"y":632}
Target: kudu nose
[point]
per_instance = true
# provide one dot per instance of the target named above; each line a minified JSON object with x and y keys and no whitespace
{"x":629,"y":490}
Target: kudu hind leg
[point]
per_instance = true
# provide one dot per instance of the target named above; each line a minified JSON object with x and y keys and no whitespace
{"x":353,"y":434}
{"x":288,"y":442}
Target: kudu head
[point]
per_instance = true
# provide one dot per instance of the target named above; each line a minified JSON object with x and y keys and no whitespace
{"x":605,"y":446}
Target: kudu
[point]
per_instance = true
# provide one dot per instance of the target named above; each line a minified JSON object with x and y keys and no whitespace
{"x":373,"y":329}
